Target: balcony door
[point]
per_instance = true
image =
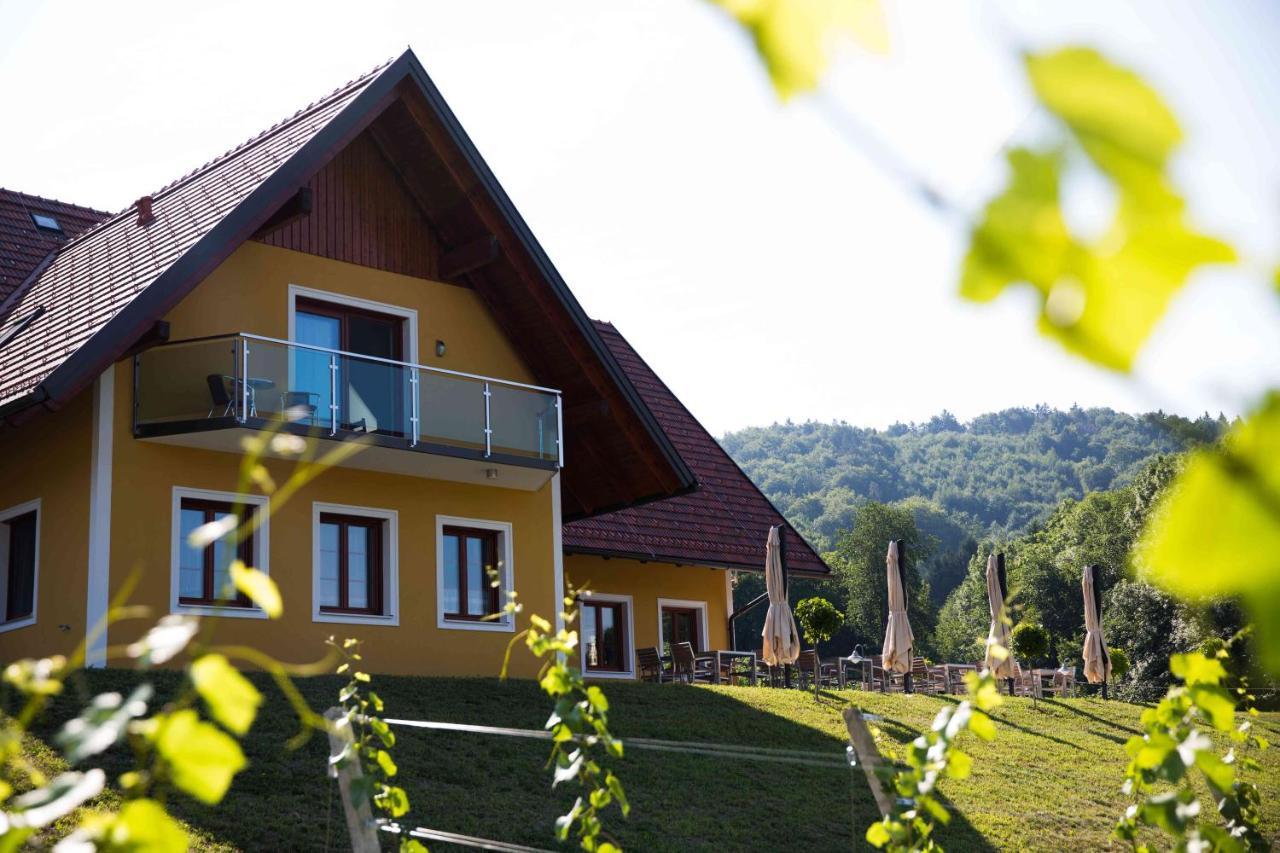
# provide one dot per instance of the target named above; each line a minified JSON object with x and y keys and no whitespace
{"x":371,"y":394}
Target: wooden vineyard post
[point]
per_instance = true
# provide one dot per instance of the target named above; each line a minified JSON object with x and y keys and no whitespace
{"x":864,"y":747}
{"x":360,"y":822}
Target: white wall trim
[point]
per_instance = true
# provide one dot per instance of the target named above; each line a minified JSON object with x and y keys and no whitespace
{"x":5,"y":515}
{"x":630,"y":650}
{"x":390,"y":550}
{"x":506,"y":545}
{"x":557,"y":550}
{"x":98,"y":584}
{"x":702,"y":619}
{"x":261,"y":549}
{"x":410,"y":315}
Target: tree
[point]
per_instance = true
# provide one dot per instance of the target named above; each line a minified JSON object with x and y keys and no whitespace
{"x":1030,"y":642}
{"x":819,"y":619}
{"x":859,"y":564}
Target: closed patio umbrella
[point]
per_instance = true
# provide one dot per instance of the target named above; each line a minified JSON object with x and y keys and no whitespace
{"x":781,"y":639}
{"x":898,"y":639}
{"x":999,"y":633}
{"x":1097,"y":663}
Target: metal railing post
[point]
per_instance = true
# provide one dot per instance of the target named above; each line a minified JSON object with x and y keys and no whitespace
{"x":333,"y":395}
{"x":414,"y":402}
{"x":559,"y":433}
{"x":244,"y":380}
{"x":488,"y":429}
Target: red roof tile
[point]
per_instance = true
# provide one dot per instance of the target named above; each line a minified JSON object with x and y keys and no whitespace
{"x":22,"y":245}
{"x":724,"y":522}
{"x":98,"y":273}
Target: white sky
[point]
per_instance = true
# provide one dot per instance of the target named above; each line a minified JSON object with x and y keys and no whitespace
{"x":763,"y":266}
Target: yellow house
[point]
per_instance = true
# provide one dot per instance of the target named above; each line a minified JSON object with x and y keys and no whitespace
{"x":355,"y":274}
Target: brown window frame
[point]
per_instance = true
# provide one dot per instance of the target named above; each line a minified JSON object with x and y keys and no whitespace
{"x":620,"y":633}
{"x":10,"y":581}
{"x":489,"y":554}
{"x":244,"y":551}
{"x":373,"y":560}
{"x":696,"y":612}
{"x":341,"y":311}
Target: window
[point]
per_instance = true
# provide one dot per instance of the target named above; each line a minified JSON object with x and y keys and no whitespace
{"x":471,"y":557}
{"x":204,"y":574}
{"x":201,"y":577}
{"x":607,"y":638}
{"x":682,"y":622}
{"x":350,"y":564}
{"x":354,"y":558}
{"x":19,"y":563}
{"x":46,"y":223}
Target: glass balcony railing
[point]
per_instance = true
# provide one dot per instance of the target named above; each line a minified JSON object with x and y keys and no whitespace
{"x":254,"y":381}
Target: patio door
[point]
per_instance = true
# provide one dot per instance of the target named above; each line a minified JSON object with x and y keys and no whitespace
{"x":370,"y":393}
{"x":680,"y":625}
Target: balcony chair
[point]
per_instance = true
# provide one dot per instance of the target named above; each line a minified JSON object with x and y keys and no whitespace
{"x":651,"y":666}
{"x":219,"y":396}
{"x":299,"y":406}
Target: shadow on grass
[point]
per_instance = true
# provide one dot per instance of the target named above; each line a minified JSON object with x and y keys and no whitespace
{"x":1055,"y":703}
{"x":499,"y":787}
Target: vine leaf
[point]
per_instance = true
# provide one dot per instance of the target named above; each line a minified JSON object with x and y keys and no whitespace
{"x":231,"y":698}
{"x":144,"y":825}
{"x":794,"y":38}
{"x":201,"y":757}
{"x":259,"y":587}
{"x":1218,"y":531}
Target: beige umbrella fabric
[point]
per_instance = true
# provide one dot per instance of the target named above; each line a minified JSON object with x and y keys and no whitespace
{"x":998,"y":635}
{"x":781,"y":639}
{"x":898,"y":638}
{"x":1097,"y":663}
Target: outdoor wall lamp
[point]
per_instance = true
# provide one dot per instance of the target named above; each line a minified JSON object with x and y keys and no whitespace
{"x":439,"y":349}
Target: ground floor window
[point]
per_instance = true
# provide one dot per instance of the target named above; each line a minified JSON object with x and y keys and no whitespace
{"x":351,"y":565}
{"x":607,"y":639}
{"x":204,"y":573}
{"x":682,"y":622}
{"x":19,"y":555}
{"x":473,"y":573}
{"x":354,"y":564}
{"x":201,"y":570}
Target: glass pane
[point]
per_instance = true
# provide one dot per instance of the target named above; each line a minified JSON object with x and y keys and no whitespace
{"x":377,"y":396}
{"x":589,"y":642}
{"x":20,"y":551}
{"x":452,"y":410}
{"x":329,"y":565}
{"x":523,"y":421}
{"x":477,"y":580}
{"x":608,"y":638}
{"x":190,"y":560}
{"x":357,"y":567}
{"x":308,"y":386}
{"x":668,"y":629}
{"x":450,"y":573}
{"x":188,"y":381}
{"x":223,"y":555}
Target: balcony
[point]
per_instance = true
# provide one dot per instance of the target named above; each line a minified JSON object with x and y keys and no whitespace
{"x":417,"y":420}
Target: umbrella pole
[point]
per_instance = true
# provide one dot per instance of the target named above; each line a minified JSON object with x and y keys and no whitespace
{"x":906,"y":683}
{"x":1009,"y":682}
{"x":1104,"y":689}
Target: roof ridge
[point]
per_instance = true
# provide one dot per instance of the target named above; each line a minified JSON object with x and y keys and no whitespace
{"x":55,"y":201}
{"x":249,"y":143}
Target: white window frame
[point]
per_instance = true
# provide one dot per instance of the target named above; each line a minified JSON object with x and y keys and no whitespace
{"x":506,"y":547}
{"x":261,"y":549}
{"x":391,"y":565}
{"x":702,"y":620}
{"x":5,"y":515}
{"x":629,"y":618}
{"x":409,"y":315}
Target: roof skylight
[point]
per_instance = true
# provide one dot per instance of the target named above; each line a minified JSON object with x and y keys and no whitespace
{"x":46,"y":223}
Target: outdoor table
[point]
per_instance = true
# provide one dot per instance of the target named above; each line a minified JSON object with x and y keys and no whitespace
{"x":864,"y":674}
{"x":720,"y":657}
{"x":1042,"y":678}
{"x":256,"y":384}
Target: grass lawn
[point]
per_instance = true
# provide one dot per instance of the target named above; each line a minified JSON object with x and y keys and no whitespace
{"x":1051,"y":780}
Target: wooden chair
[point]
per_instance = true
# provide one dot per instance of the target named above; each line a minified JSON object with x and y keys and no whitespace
{"x":686,"y":666}
{"x":651,"y":666}
{"x":765,"y":674}
{"x":922,"y":678}
{"x":811,"y":666}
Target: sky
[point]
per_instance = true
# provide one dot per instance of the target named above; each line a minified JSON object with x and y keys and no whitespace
{"x":763,"y":264}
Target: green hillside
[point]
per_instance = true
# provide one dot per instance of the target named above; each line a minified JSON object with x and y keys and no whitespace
{"x":1050,"y":781}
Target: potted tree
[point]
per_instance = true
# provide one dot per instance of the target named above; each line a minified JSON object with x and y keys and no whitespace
{"x":819,"y":620}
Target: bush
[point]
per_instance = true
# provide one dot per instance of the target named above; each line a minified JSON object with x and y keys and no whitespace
{"x":1119,"y":663}
{"x":1030,"y":641}
{"x":819,"y":619}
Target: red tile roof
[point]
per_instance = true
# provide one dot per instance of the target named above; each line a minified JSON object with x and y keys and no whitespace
{"x":98,"y":273}
{"x":22,"y":245}
{"x":723,"y":523}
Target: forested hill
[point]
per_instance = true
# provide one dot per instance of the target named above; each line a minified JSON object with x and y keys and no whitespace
{"x":996,"y":474}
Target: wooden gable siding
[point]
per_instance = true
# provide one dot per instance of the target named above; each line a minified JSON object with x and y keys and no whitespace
{"x":361,"y":213}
